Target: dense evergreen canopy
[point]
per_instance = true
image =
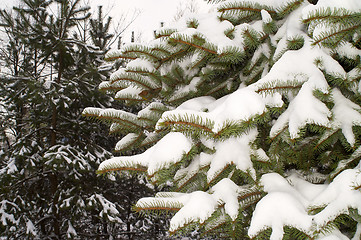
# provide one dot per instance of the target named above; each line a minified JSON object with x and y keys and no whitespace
{"x":52,"y":64}
{"x":251,"y":114}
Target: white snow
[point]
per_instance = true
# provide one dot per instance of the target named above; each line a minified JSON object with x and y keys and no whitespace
{"x":241,"y":105}
{"x":126,"y":141}
{"x":197,"y":104}
{"x":71,"y":231}
{"x":130,"y":91}
{"x":168,"y":150}
{"x":30,"y":228}
{"x":210,"y":28}
{"x":294,"y":76}
{"x":5,"y":217}
{"x":226,"y":191}
{"x":288,"y":201}
{"x":339,"y":196}
{"x":198,"y":206}
{"x":276,"y":210}
{"x":346,"y":115}
{"x":304,"y":109}
{"x":266,"y":17}
{"x":233,"y":151}
{"x":350,"y":5}
{"x":140,"y":63}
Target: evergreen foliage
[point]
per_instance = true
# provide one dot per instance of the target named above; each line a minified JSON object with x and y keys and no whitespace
{"x":49,"y":152}
{"x":251,"y":114}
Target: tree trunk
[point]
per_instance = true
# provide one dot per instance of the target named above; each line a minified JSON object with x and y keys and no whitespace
{"x":54,"y":116}
{"x":54,"y":188}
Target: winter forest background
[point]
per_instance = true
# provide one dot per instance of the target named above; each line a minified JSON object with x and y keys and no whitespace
{"x":239,"y":123}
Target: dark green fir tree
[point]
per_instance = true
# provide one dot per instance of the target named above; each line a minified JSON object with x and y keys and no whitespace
{"x":48,"y":151}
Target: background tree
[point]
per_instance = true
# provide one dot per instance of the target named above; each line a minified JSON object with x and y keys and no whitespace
{"x":54,"y":63}
{"x":252,"y":115}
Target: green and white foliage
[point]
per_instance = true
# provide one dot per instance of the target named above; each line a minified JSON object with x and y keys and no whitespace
{"x":49,"y":153}
{"x":251,"y":114}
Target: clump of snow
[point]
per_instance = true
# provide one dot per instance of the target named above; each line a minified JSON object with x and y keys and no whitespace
{"x":282,"y":206}
{"x":304,"y":109}
{"x":346,"y":115}
{"x":210,"y":28}
{"x":350,"y":5}
{"x":198,"y":207}
{"x":348,"y":50}
{"x":266,"y":17}
{"x":276,"y":210}
{"x":168,"y":150}
{"x":108,"y":209}
{"x":300,"y":66}
{"x":131,"y":90}
{"x":71,"y":232}
{"x":126,"y":141}
{"x":191,"y":87}
{"x":240,"y":105}
{"x":30,"y":228}
{"x":6,"y":217}
{"x":140,"y":63}
{"x":226,"y":191}
{"x":233,"y":151}
{"x":308,"y":190}
{"x":197,"y":104}
{"x":339,"y":196}
{"x":289,"y":199}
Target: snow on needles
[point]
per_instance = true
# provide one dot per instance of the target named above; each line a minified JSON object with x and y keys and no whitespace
{"x":289,"y":84}
{"x":350,"y":5}
{"x":198,"y":206}
{"x":289,"y":200}
{"x":346,"y":114}
{"x":169,"y":149}
{"x":238,"y":106}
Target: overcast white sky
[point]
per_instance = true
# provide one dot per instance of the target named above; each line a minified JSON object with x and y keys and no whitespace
{"x":152,"y":12}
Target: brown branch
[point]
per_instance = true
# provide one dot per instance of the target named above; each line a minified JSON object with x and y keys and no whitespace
{"x":189,"y":124}
{"x":142,"y":52}
{"x":335,"y":33}
{"x":138,"y":209}
{"x":119,"y":120}
{"x":186,"y":182}
{"x":244,"y":9}
{"x":214,"y":228}
{"x":196,"y":46}
{"x":161,"y":61}
{"x":278,"y":87}
{"x":325,"y":139}
{"x":122,"y":169}
{"x":220,"y":172}
{"x":129,"y":99}
{"x":118,"y":57}
{"x":131,"y":80}
{"x":325,"y":17}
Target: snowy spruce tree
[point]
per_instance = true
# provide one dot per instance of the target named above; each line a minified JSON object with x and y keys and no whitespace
{"x":48,"y":151}
{"x":251,"y":115}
